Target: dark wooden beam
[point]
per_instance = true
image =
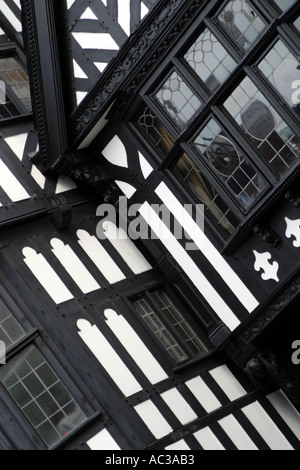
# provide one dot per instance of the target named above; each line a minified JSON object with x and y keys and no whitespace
{"x":41,"y":45}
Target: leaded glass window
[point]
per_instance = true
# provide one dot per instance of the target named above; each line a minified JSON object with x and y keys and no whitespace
{"x":297,"y":24}
{"x":155,"y":130}
{"x":240,"y":177}
{"x":10,"y":330}
{"x":241,"y":23}
{"x":284,"y":4}
{"x":205,"y":193}
{"x":228,"y":66}
{"x":278,"y":144}
{"x":169,"y":326}
{"x":16,"y":99}
{"x":210,"y":60}
{"x":41,"y":396}
{"x":178,"y":100}
{"x":282,"y":69}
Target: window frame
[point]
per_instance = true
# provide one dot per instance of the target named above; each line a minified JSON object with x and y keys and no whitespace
{"x":187,"y":315}
{"x":33,"y":337}
{"x":247,"y":65}
{"x":11,"y":50}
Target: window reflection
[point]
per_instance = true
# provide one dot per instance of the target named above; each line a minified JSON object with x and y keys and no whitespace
{"x":169,"y":326}
{"x":41,"y":396}
{"x":17,"y":99}
{"x":203,"y":190}
{"x":297,"y":24}
{"x":241,"y":23}
{"x":155,"y":131}
{"x":267,"y":130}
{"x":281,"y":68}
{"x":178,"y":100}
{"x":234,"y":169}
{"x":10,"y":330}
{"x":284,"y":4}
{"x":210,"y":60}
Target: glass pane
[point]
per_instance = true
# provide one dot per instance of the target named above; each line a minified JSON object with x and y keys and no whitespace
{"x":157,"y":327}
{"x":182,"y":327}
{"x":26,"y":377}
{"x":277,"y":143}
{"x":241,"y":22}
{"x":297,"y":24}
{"x":17,"y":99}
{"x":178,"y":100}
{"x":155,"y":131}
{"x":282,"y":69}
{"x":210,"y":60}
{"x":284,"y":4}
{"x":240,"y":177}
{"x":10,"y":330}
{"x":203,"y":190}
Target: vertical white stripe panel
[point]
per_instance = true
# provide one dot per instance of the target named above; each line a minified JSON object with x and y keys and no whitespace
{"x":286,"y":410}
{"x":103,"y":441}
{"x":153,"y":419}
{"x":208,"y":440}
{"x":126,"y":248}
{"x":108,"y":358}
{"x":207,"y":248}
{"x":74,"y":266}
{"x":100,"y":257}
{"x":228,"y":383}
{"x":179,"y":406}
{"x":266,"y":427}
{"x":203,"y":394}
{"x":135,"y":347}
{"x":190,"y":268}
{"x":124,"y":15}
{"x":237,"y":434}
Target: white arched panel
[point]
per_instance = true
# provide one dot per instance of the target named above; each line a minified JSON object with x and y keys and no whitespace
{"x":135,"y":347}
{"x":126,"y":248}
{"x":74,"y":266}
{"x":108,"y":358}
{"x":46,"y":275}
{"x":100,"y":257}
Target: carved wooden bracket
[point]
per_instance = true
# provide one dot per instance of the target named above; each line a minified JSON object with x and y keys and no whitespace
{"x":268,"y":370}
{"x":268,"y":235}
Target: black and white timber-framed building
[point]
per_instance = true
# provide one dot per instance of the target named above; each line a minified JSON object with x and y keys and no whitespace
{"x":150,"y":330}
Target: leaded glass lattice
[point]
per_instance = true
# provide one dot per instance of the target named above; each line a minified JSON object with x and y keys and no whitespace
{"x":205,"y":192}
{"x":241,"y":23}
{"x":177,"y":99}
{"x":41,"y":396}
{"x":276,"y":141}
{"x":241,"y":178}
{"x":210,"y":60}
{"x":282,"y":69}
